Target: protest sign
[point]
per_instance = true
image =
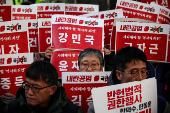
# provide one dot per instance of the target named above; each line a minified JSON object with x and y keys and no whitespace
{"x":113,"y":35}
{"x":12,"y":71}
{"x":151,"y":38}
{"x":46,"y":10}
{"x":78,"y":86}
{"x":132,"y":97}
{"x":133,"y":9}
{"x":24,"y":12}
{"x":44,"y":34}
{"x":33,"y":35}
{"x":65,"y":61}
{"x":108,"y":17}
{"x":80,"y":9}
{"x":5,"y":10}
{"x":14,"y":37}
{"x":74,"y":32}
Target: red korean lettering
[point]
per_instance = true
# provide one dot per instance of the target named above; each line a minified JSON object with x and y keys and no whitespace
{"x":111,"y":103}
{"x":2,"y":61}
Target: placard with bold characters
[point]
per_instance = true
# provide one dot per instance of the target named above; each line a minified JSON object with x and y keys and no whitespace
{"x":132,"y":97}
{"x":14,"y":37}
{"x":5,"y":10}
{"x":133,"y":9}
{"x":108,"y":17}
{"x":33,"y":35}
{"x":12,"y":71}
{"x":74,"y":32}
{"x":78,"y":86}
{"x":44,"y":34}
{"x":80,"y":9}
{"x":113,"y":35}
{"x":152,"y":38}
{"x":24,"y":12}
{"x":64,"y":61}
{"x":46,"y":10}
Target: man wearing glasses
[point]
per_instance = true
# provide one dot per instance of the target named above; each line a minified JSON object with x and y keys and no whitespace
{"x":41,"y":92}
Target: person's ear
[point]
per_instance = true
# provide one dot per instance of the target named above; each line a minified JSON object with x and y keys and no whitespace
{"x":119,"y":75}
{"x":53,"y":89}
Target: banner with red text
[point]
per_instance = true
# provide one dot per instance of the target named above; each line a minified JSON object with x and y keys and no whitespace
{"x":108,"y":17}
{"x":14,"y":37}
{"x":24,"y":12}
{"x":113,"y":34}
{"x":152,"y":38}
{"x":46,"y":10}
{"x":134,"y":9}
{"x":74,"y":32}
{"x":132,"y":97}
{"x":33,"y":35}
{"x":5,"y":10}
{"x":12,"y":71}
{"x":65,"y":61}
{"x":80,"y":9}
{"x":78,"y":86}
{"x":44,"y":34}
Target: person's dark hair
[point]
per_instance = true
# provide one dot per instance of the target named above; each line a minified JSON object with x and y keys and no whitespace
{"x":90,"y":51}
{"x":126,"y":55}
{"x":41,"y":70}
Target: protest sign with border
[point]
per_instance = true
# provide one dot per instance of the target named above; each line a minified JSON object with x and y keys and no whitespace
{"x":33,"y":35}
{"x":65,"y":61}
{"x":12,"y":71}
{"x":78,"y":86}
{"x":5,"y":10}
{"x":133,"y":97}
{"x":14,"y":37}
{"x":46,"y":10}
{"x":152,"y":38}
{"x":134,"y":9}
{"x":80,"y":9}
{"x":24,"y":12}
{"x":74,"y":32}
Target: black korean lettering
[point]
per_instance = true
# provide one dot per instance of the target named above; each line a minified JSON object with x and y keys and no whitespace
{"x":149,"y":104}
{"x":145,"y":105}
{"x":140,"y":106}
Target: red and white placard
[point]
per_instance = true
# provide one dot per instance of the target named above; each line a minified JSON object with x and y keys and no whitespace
{"x":78,"y":86}
{"x":14,"y":37}
{"x":108,"y":17}
{"x":168,"y":55}
{"x":113,"y":35}
{"x":150,"y":37}
{"x":65,"y":61}
{"x":132,"y":97}
{"x":133,"y":9}
{"x":24,"y":12}
{"x":73,"y":32}
{"x":33,"y":35}
{"x":12,"y":71}
{"x":5,"y":10}
{"x":44,"y":34}
{"x":46,"y":10}
{"x":80,"y":9}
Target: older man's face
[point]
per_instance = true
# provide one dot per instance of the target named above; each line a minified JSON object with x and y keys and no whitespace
{"x":90,"y":63}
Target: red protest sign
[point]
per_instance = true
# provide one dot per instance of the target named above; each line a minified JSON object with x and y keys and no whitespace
{"x":46,"y":10}
{"x":44,"y":34}
{"x":108,"y":17}
{"x":33,"y":35}
{"x":73,"y":32}
{"x":133,"y":9}
{"x":80,"y":9}
{"x":149,"y":37}
{"x":5,"y":10}
{"x":113,"y":35}
{"x":65,"y":61}
{"x":12,"y":69}
{"x":14,"y":37}
{"x":164,"y":15}
{"x":78,"y":86}
{"x":164,"y":3}
{"x":24,"y":12}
